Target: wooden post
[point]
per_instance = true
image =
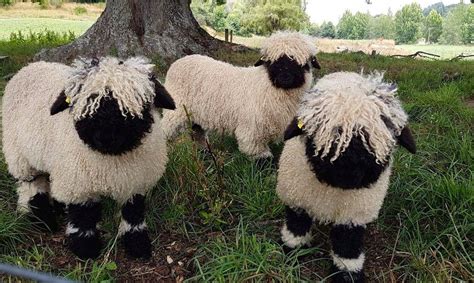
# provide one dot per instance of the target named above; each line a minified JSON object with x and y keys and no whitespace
{"x":226,"y":31}
{"x":231,"y":35}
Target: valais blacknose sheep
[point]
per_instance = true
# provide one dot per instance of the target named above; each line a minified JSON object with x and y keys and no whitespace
{"x":253,"y":103}
{"x":108,"y":142}
{"x":336,"y":163}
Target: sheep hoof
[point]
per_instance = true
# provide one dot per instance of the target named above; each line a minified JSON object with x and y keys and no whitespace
{"x":43,"y":213}
{"x":137,"y":244}
{"x":85,"y":247}
{"x":265,"y":163}
{"x":340,"y":276}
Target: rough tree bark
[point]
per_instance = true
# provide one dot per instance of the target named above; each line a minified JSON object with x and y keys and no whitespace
{"x":140,"y":27}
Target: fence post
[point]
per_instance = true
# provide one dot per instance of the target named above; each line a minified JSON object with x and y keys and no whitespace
{"x":226,"y":31}
{"x":231,"y":35}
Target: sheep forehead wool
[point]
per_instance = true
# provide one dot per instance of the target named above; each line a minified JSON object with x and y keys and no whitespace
{"x":343,"y":105}
{"x":295,"y":45}
{"x":125,"y":81}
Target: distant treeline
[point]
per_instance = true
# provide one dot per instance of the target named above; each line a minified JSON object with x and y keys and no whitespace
{"x":453,"y":24}
{"x":48,"y":2}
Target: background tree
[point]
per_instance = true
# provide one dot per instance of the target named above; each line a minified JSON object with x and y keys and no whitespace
{"x":467,"y":27}
{"x":381,"y":26}
{"x":278,"y":15}
{"x":313,"y":29}
{"x":353,"y":26}
{"x":407,"y":23}
{"x":433,"y":26}
{"x":140,"y":27}
{"x":453,"y":25}
{"x":327,"y":30}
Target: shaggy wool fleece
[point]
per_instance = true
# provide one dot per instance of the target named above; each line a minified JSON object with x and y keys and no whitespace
{"x":36,"y":142}
{"x":297,"y":186}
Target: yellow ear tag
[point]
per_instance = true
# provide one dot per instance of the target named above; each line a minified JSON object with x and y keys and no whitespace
{"x":300,"y":124}
{"x":68,"y":99}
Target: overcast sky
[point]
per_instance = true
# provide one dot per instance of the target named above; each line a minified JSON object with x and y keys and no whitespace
{"x":332,"y":10}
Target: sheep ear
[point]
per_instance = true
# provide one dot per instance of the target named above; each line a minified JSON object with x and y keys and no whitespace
{"x":315,"y":63}
{"x":406,"y":140}
{"x":60,"y":104}
{"x":259,"y":63}
{"x":162,"y":98}
{"x":292,"y":130}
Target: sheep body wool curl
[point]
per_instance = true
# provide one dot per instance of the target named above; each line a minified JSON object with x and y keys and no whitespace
{"x":35,"y":142}
{"x":339,"y":107}
{"x":237,"y":100}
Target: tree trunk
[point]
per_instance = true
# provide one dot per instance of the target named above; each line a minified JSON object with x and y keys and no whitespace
{"x":140,"y":27}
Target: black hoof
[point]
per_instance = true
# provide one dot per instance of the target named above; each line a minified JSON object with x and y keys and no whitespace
{"x":43,"y":213}
{"x":339,"y":276}
{"x":137,"y":244}
{"x":85,"y":247}
{"x":265,"y":163}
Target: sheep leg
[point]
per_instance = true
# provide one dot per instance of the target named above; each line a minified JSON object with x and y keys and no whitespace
{"x":33,"y":196}
{"x":296,"y":231}
{"x":347,"y":254}
{"x":254,"y":146}
{"x":83,"y":236}
{"x":173,"y":122}
{"x":133,"y":228}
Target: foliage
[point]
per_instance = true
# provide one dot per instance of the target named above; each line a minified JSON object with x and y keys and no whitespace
{"x":80,"y":10}
{"x":433,"y":26}
{"x":277,"y":15}
{"x":250,"y":16}
{"x":6,"y":2}
{"x":353,"y":26}
{"x":328,"y":30}
{"x":408,"y":23}
{"x":382,"y":26}
{"x":438,"y":7}
{"x":312,"y":29}
{"x":457,"y":18}
{"x":467,"y":28}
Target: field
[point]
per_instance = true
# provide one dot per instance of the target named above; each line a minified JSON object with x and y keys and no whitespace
{"x":219,"y":221}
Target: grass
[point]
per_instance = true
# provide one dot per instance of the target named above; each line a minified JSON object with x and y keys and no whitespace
{"x":220,"y":217}
{"x":26,"y":25}
{"x":445,"y":51}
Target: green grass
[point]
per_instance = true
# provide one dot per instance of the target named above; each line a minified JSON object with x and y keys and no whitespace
{"x":445,"y":51}
{"x":40,"y":24}
{"x":227,"y":209}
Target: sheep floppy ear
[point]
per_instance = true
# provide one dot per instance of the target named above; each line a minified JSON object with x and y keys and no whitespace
{"x":294,"y":129}
{"x":162,"y":98}
{"x":406,"y":140}
{"x":315,"y":63}
{"x":259,"y":62}
{"x":61,"y":104}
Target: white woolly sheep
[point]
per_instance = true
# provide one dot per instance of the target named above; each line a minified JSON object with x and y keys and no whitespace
{"x":110,"y":143}
{"x":336,"y":163}
{"x":253,"y":103}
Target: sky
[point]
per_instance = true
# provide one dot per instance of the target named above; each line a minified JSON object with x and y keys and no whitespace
{"x":332,"y":10}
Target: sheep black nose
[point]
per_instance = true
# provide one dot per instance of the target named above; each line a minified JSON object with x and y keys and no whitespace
{"x":286,"y":78}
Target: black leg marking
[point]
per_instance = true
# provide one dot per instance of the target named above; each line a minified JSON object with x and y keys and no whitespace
{"x":84,"y":239}
{"x":297,"y":229}
{"x":348,"y":257}
{"x":59,"y":207}
{"x":43,"y":211}
{"x":133,"y":228}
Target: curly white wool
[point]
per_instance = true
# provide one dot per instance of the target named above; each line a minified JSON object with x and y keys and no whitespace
{"x":343,"y":105}
{"x":128,"y":83}
{"x":296,"y":45}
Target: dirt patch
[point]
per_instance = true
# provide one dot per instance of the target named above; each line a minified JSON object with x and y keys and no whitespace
{"x":170,"y":262}
{"x":470,"y":102}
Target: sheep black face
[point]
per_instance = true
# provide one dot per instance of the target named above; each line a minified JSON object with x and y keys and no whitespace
{"x":108,"y":131}
{"x":355,"y":168}
{"x":286,"y":73}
